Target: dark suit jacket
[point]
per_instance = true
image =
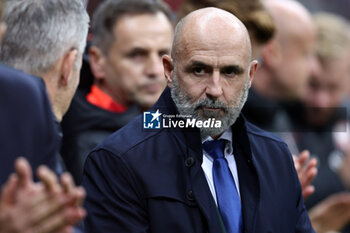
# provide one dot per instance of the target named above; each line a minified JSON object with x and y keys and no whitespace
{"x":152,"y":181}
{"x":26,"y":122}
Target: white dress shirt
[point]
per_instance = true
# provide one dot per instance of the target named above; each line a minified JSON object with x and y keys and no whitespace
{"x":207,"y":164}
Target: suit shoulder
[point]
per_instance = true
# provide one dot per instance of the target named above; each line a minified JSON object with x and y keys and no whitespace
{"x":128,"y":137}
{"x":12,"y":78}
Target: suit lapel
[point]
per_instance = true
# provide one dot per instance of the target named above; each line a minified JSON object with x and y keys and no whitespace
{"x":204,"y":199}
{"x":248,"y":179}
{"x":197,"y":181}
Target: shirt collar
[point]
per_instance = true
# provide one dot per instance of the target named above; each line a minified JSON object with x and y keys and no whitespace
{"x":227,"y":136}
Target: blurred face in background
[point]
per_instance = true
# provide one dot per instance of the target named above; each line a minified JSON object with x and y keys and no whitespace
{"x":297,"y":58}
{"x":327,"y":88}
{"x":132,"y":69}
{"x":290,"y":55}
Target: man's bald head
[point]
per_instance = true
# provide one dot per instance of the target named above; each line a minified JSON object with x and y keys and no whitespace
{"x":289,"y":56}
{"x":292,"y":19}
{"x":209,"y":25}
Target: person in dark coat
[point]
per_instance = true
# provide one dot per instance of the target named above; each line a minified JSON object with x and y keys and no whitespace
{"x":154,"y":174}
{"x":28,"y":131}
{"x":39,"y":42}
{"x":125,"y":71}
{"x":57,"y":58}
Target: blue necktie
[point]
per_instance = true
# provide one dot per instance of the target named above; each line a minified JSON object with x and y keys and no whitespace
{"x":227,"y":196}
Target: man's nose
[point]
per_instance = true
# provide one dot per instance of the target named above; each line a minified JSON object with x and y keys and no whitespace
{"x":154,"y":66}
{"x":314,"y":66}
{"x":214,"y":87}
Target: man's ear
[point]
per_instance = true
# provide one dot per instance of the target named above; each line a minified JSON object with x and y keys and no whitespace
{"x":272,"y":53}
{"x":68,"y":66}
{"x":97,"y":62}
{"x":168,"y":69}
{"x":252,"y":70}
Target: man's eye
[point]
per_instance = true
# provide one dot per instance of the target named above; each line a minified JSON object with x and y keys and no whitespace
{"x":229,"y":72}
{"x":198,"y":71}
{"x":137,"y":55}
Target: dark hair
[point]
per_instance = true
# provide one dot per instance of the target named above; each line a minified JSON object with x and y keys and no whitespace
{"x":110,"y":11}
{"x":252,"y":13}
{"x":2,"y":8}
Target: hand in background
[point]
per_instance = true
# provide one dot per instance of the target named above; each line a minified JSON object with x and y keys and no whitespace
{"x":307,"y":171}
{"x":344,"y":171}
{"x":332,"y":214}
{"x":47,"y":206}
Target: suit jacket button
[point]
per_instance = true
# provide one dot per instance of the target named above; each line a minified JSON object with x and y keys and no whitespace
{"x":189,"y":162}
{"x":190,"y":195}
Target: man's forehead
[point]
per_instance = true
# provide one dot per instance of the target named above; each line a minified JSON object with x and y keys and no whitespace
{"x":215,"y":61}
{"x":215,"y":52}
{"x":143,"y":24}
{"x":230,"y":44}
{"x":214,"y":36}
{"x":146,"y":44}
{"x":131,"y":33}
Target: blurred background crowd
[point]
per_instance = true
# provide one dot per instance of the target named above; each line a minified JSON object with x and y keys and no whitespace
{"x":301,"y":91}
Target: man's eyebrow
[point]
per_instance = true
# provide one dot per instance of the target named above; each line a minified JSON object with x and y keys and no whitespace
{"x":235,"y":68}
{"x":193,"y":64}
{"x":165,"y":50}
{"x":134,"y":50}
